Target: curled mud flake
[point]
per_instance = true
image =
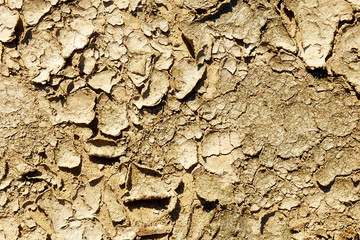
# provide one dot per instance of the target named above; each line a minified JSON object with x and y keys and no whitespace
{"x":70,"y":41}
{"x":8,"y":21}
{"x":112,"y":116}
{"x":104,"y":148}
{"x":285,"y":62}
{"x":138,"y":65}
{"x":354,"y":211}
{"x":116,"y":210}
{"x":74,"y":230}
{"x":67,"y":157}
{"x":186,"y":75}
{"x":58,"y":211}
{"x":344,"y":191}
{"x":116,"y":51}
{"x":220,"y":189}
{"x":226,"y":83}
{"x":246,"y":24}
{"x":121,"y":4}
{"x":264,"y":181}
{"x":15,"y":4}
{"x":139,"y":69}
{"x":78,"y":108}
{"x":83,"y":26}
{"x":115,"y":18}
{"x":134,"y":4}
{"x":222,"y":165}
{"x":159,"y":229}
{"x":185,"y":152}
{"x":24,"y":169}
{"x":289,"y":203}
{"x":146,"y":184}
{"x":198,"y":39}
{"x":103,"y":80}
{"x":155,"y":91}
{"x":200,"y":4}
{"x":34,"y":10}
{"x":337,"y":164}
{"x":160,"y":23}
{"x":225,"y":144}
{"x":210,"y":145}
{"x":42,"y":78}
{"x":164,"y":62}
{"x":75,"y":37}
{"x":87,"y":61}
{"x":127,"y":233}
{"x":3,"y":169}
{"x":345,"y":58}
{"x":230,"y":65}
{"x":317,"y":23}
{"x":137,"y":43}
{"x":82,"y":211}
{"x":42,"y":56}
{"x":275,"y":225}
{"x":277,"y":36}
{"x":9,"y":229}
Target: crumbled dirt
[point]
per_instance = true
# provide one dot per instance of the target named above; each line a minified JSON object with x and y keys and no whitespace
{"x":184,"y":119}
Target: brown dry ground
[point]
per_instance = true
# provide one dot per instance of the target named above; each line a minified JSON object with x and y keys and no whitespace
{"x":184,"y":119}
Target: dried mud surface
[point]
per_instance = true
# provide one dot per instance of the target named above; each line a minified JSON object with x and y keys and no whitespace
{"x":184,"y":119}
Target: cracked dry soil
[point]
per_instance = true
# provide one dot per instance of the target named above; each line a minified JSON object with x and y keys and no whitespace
{"x":179,"y":119}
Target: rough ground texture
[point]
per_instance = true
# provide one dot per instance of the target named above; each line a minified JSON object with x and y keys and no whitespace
{"x":184,"y":119}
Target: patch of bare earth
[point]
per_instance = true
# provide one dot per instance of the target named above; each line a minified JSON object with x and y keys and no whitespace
{"x":184,"y":119}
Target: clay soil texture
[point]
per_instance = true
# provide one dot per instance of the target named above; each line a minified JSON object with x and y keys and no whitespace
{"x":179,"y":119}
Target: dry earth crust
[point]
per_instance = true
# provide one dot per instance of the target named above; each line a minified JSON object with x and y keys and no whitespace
{"x":179,"y":119}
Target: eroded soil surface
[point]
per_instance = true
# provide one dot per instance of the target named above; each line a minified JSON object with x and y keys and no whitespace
{"x":179,"y":119}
